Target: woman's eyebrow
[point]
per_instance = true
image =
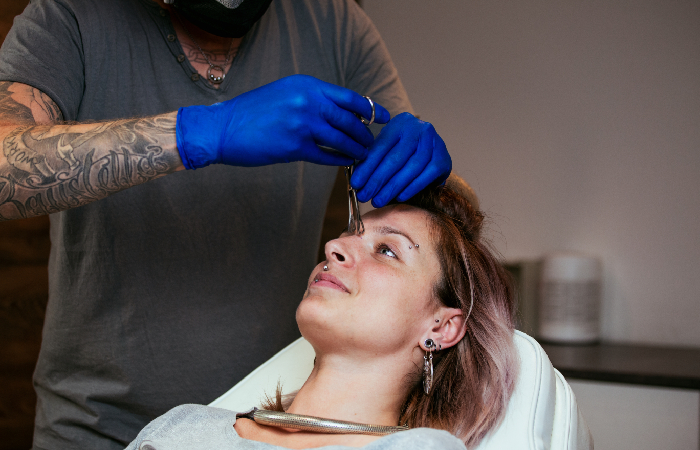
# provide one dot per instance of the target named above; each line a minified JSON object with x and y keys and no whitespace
{"x":390,"y":230}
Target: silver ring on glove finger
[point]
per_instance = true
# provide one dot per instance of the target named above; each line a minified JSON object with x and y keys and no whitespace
{"x":371,"y":119}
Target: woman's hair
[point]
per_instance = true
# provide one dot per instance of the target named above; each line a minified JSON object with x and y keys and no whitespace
{"x":474,"y":379}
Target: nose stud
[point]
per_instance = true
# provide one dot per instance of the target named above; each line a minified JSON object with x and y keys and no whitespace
{"x":325,"y":268}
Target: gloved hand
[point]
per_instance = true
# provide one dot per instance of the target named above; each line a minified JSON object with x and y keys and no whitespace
{"x":282,"y":121}
{"x":406,"y":157}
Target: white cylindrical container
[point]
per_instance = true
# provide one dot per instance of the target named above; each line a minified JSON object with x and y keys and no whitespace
{"x":569,"y":306}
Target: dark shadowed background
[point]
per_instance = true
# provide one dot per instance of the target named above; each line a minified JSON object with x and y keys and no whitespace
{"x":24,"y":253}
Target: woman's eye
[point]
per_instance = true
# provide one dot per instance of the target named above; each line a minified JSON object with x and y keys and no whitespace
{"x":384,"y":250}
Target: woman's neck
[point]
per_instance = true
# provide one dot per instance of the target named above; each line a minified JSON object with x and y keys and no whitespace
{"x":364,"y":390}
{"x":369,"y":391}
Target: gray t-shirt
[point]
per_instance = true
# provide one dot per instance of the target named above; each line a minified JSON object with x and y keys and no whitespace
{"x":170,"y":292}
{"x":195,"y":427}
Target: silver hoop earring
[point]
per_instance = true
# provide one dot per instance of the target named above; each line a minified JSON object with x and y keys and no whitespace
{"x":428,"y":366}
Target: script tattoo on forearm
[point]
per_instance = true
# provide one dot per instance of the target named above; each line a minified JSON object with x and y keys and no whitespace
{"x":51,"y":168}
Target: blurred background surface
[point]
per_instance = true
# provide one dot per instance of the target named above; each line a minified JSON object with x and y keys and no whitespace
{"x":578,"y":125}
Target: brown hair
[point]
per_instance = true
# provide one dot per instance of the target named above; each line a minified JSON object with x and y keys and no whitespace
{"x":474,"y":379}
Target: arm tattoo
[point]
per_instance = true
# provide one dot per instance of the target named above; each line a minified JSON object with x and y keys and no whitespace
{"x":51,"y":168}
{"x":25,"y":103}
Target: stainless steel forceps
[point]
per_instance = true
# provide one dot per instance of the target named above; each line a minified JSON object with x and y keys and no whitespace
{"x":355,"y":225}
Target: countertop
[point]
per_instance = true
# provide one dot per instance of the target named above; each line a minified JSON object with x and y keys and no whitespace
{"x":677,"y":367}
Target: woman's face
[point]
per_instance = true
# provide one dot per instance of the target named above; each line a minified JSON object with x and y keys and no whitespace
{"x":378,"y":290}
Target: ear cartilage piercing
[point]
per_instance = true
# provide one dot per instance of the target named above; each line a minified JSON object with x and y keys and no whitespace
{"x":410,"y":247}
{"x":417,"y":245}
{"x":325,"y":268}
{"x":437,"y":320}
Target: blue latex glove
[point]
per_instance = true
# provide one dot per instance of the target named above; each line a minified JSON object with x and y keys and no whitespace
{"x":407,"y":156}
{"x":282,"y":121}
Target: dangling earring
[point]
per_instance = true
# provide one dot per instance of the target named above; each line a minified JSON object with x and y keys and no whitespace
{"x":428,"y":366}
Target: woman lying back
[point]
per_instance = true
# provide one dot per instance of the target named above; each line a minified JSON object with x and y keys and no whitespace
{"x":419,"y":283}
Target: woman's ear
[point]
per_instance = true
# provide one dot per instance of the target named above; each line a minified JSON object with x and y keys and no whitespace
{"x":448,"y":328}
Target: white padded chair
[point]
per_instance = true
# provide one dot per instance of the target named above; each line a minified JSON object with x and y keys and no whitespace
{"x":542,"y":413}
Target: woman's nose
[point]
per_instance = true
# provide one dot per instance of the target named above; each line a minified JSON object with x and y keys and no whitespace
{"x":338,"y":251}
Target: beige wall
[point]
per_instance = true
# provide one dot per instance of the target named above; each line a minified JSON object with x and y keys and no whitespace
{"x":578,"y":123}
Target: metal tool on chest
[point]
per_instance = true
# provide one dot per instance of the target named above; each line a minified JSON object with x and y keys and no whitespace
{"x":355,"y":225}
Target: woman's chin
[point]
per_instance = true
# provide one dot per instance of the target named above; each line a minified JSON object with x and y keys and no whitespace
{"x":317,"y":319}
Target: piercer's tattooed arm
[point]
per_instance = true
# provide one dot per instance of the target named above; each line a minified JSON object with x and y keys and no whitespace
{"x":19,"y":102}
{"x":47,"y":166}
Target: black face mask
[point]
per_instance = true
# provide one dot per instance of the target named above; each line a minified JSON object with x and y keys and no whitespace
{"x":226,"y":18}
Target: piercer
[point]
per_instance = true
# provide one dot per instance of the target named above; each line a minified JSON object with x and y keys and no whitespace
{"x":163,"y":282}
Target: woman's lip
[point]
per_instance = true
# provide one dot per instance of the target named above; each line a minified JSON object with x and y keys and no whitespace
{"x":326,"y":279}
